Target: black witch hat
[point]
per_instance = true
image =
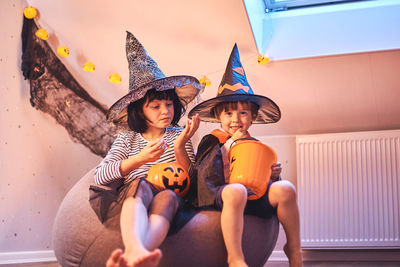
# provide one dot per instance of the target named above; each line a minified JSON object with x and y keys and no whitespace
{"x":234,"y":87}
{"x":144,"y":75}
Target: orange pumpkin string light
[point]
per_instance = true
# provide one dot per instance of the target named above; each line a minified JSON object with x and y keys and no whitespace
{"x":115,"y":78}
{"x":169,"y":175}
{"x":262,"y":59}
{"x":30,"y":12}
{"x":42,"y":34}
{"x":89,"y":67}
{"x":205,"y":81}
{"x":63,"y":51}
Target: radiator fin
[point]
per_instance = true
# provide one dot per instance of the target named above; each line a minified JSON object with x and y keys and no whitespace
{"x":348,"y":189}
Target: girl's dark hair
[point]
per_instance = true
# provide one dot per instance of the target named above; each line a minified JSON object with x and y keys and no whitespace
{"x":136,"y":119}
{"x":225,"y":106}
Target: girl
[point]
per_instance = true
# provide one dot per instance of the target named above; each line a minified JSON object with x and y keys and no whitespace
{"x":153,"y":104}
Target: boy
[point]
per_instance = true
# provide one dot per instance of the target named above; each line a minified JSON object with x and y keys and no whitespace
{"x":236,"y":108}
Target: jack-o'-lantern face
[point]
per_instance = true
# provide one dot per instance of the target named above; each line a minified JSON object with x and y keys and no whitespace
{"x":171,"y":176}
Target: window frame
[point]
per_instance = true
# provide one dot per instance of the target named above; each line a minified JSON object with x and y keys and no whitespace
{"x":279,"y":5}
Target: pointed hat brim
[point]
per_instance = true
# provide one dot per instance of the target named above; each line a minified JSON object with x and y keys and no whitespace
{"x":268,"y":111}
{"x":186,"y":87}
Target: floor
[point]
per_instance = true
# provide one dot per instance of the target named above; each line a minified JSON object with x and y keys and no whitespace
{"x":337,"y":264}
{"x":38,"y":264}
{"x":269,"y":264}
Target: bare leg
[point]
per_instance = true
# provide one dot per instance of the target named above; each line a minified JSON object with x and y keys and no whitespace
{"x":163,"y":208}
{"x":282,"y":195}
{"x":157,"y":231}
{"x":234,"y":197}
{"x":134,"y":227}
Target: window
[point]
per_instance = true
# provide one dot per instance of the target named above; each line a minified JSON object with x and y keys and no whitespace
{"x":326,"y":29}
{"x":278,"y":5}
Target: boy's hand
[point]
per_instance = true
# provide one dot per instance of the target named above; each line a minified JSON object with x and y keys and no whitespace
{"x":276,"y":171}
{"x":239,"y":134}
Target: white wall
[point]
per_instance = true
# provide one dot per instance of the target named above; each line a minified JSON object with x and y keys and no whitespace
{"x":39,"y":162}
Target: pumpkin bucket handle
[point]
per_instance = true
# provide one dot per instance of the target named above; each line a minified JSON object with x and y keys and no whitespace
{"x":243,"y":139}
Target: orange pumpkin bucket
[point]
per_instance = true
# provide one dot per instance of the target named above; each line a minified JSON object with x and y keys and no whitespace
{"x":169,"y":175}
{"x":250,"y":165}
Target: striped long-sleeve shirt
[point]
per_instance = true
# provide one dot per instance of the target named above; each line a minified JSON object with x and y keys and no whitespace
{"x":128,"y":144}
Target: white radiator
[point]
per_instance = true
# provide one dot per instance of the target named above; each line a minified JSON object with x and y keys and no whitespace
{"x":349,"y":189}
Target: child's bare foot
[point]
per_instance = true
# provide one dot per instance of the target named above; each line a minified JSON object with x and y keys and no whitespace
{"x":116,"y":259}
{"x":294,"y":256}
{"x":144,"y":259}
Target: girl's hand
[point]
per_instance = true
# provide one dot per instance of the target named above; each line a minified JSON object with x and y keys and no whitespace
{"x":180,"y":142}
{"x":188,"y":131}
{"x":153,"y":150}
{"x":149,"y":153}
{"x":276,"y":171}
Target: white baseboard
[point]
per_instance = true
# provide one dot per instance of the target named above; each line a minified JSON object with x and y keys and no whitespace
{"x":278,"y":255}
{"x":341,"y":255}
{"x":27,"y":256}
{"x":372,"y":255}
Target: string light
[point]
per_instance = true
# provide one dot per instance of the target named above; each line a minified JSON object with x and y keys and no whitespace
{"x":89,"y":67}
{"x":42,"y":34}
{"x":262,"y":59}
{"x":63,"y":51}
{"x":115,"y":78}
{"x":30,"y":12}
{"x":205,"y":81}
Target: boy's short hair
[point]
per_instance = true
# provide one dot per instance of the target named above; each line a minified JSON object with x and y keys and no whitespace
{"x":224,"y":106}
{"x":137,"y":121}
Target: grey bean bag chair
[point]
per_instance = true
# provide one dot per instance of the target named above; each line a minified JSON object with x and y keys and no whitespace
{"x":80,"y":239}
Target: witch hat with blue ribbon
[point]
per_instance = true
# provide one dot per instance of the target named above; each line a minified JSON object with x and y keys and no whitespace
{"x":234,"y":87}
